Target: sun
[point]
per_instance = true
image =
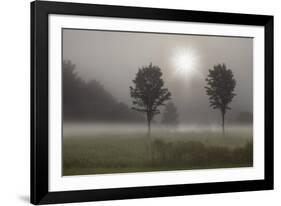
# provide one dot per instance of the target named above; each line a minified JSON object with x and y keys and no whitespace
{"x":185,"y":61}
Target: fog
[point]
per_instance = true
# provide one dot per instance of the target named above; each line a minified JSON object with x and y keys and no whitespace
{"x":76,"y":129}
{"x":113,"y":58}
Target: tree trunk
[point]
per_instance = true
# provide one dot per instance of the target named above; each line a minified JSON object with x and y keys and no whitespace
{"x":149,"y":128}
{"x":149,"y":144}
{"x":223,"y":114}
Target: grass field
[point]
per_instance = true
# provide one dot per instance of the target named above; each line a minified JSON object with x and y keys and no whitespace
{"x":120,"y":153}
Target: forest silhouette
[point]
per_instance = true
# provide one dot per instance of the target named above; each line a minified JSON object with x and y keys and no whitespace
{"x":90,"y":101}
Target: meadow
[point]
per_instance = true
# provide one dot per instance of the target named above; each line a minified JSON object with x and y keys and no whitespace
{"x":122,"y":152}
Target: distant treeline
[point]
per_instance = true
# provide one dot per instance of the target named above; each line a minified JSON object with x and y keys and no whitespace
{"x":90,"y":101}
{"x":244,"y":117}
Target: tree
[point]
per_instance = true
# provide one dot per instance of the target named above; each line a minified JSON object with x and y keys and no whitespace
{"x":91,"y":101}
{"x":220,"y":87}
{"x":170,"y":115}
{"x":148,"y":92}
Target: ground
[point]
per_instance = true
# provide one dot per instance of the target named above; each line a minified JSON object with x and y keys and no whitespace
{"x":165,"y":150}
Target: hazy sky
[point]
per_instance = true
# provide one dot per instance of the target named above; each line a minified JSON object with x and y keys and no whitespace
{"x":113,"y":59}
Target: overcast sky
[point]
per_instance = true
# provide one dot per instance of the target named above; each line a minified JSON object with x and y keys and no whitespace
{"x":113,"y":59}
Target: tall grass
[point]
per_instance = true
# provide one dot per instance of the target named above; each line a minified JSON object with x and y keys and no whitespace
{"x":128,"y":153}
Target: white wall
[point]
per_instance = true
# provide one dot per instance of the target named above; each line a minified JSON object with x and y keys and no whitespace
{"x":14,"y":102}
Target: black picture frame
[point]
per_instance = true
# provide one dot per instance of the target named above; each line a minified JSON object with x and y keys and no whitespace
{"x":40,"y":98}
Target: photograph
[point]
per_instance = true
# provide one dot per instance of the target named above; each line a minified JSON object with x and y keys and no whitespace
{"x":149,"y":102}
{"x":140,"y":101}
